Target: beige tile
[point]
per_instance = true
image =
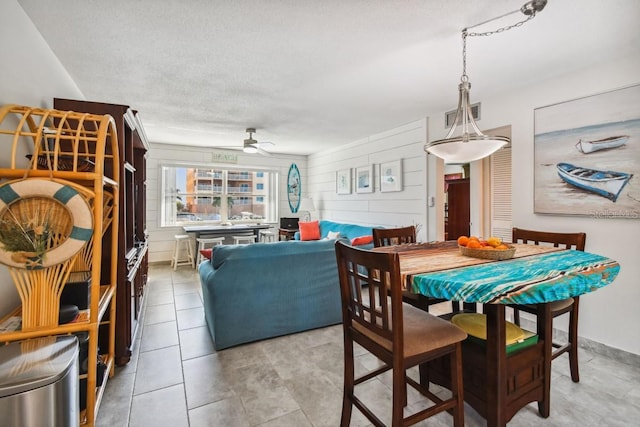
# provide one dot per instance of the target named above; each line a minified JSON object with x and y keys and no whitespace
{"x":159,"y":314}
{"x":164,"y":407}
{"x":296,"y":380}
{"x":228,"y":413}
{"x":190,"y":318}
{"x":158,"y":369}
{"x":293,"y":419}
{"x":205,"y":381}
{"x":114,"y":411}
{"x":159,"y":335}
{"x":188,"y":300}
{"x":195,"y":342}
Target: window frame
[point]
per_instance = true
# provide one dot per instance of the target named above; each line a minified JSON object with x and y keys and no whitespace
{"x":269,"y":194}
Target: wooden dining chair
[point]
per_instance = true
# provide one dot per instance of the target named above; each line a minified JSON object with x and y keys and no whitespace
{"x":399,"y":236}
{"x":570,"y":305}
{"x":398,"y":334}
{"x":394,"y":236}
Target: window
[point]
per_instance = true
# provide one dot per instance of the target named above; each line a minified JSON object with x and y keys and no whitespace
{"x":199,"y":193}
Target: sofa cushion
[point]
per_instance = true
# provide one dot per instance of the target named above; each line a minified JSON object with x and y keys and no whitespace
{"x":309,"y":230}
{"x":206,"y":253}
{"x":332,"y":235}
{"x":361,"y":240}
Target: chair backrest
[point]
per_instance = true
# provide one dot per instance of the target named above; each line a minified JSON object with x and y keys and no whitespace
{"x":559,"y":240}
{"x":365,"y":278}
{"x":393,"y":236}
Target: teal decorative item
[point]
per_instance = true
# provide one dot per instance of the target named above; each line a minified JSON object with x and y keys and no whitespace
{"x":294,"y":188}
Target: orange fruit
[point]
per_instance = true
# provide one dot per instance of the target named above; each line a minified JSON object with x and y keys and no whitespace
{"x":494,"y":241}
{"x":502,"y":247}
{"x":463,"y":240}
{"x":474,"y":244}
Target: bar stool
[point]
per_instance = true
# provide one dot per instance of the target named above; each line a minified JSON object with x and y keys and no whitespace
{"x":246,"y":239}
{"x":204,"y":243}
{"x":181,"y":240}
{"x":267,"y":236}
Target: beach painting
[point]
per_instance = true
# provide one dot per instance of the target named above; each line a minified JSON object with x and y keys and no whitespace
{"x":587,"y":156}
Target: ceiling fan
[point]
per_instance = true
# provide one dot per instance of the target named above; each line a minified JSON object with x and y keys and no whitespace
{"x":251,"y":146}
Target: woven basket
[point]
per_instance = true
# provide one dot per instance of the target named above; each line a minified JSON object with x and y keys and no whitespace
{"x":494,"y":254}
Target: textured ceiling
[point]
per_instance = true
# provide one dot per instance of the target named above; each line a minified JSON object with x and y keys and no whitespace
{"x":310,"y":74}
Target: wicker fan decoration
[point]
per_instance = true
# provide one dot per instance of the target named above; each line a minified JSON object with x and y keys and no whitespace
{"x":42,"y":223}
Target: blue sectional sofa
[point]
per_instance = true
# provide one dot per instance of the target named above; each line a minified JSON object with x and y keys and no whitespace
{"x":263,"y":290}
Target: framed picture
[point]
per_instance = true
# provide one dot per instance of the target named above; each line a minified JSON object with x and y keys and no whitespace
{"x":343,"y":181}
{"x":391,"y":176}
{"x":364,"y":179}
{"x":587,"y":156}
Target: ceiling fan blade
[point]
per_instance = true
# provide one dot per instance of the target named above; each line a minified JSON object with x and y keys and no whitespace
{"x":266,"y":144}
{"x":263,"y":152}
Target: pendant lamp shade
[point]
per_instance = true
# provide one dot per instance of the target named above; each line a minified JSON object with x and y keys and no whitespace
{"x":472,"y":144}
{"x":468,"y":146}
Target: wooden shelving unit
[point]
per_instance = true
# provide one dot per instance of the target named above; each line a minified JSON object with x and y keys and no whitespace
{"x":78,"y":151}
{"x":131,"y":261}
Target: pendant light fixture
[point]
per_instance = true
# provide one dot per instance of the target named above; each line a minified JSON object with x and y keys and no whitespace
{"x":472,"y":144}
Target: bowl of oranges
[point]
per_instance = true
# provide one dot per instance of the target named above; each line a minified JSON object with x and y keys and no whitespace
{"x":491,"y":248}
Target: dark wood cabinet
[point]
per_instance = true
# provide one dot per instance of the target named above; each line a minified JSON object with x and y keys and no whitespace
{"x":458,"y":216}
{"x":132,"y":240}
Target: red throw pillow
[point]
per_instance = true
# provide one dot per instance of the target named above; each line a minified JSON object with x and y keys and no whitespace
{"x":206,"y":253}
{"x":362,"y":240}
{"x":309,"y":230}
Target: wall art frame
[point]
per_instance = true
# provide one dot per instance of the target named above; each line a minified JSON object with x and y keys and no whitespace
{"x":343,"y":181}
{"x":364,"y":179}
{"x":390,"y":176}
{"x":587,"y":156}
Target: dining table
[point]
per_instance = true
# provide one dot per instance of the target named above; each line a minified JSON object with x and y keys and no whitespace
{"x":497,"y":383}
{"x":217,"y":230}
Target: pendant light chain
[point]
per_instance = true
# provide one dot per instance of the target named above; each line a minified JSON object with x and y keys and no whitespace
{"x":472,"y":146}
{"x":466,"y":33}
{"x":500,"y":30}
{"x":464,"y":78}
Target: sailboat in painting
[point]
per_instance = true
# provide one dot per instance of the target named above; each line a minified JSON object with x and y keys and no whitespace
{"x":608,"y":184}
{"x":586,"y":146}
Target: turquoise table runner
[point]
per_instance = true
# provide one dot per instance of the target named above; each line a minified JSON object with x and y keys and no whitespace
{"x":529,"y":280}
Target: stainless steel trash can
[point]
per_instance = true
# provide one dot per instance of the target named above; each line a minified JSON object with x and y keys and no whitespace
{"x":39,"y":382}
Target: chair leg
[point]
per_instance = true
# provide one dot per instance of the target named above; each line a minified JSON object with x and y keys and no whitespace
{"x":176,"y":252}
{"x":399,"y":397}
{"x":349,"y":383}
{"x":573,"y":341}
{"x":455,"y":360}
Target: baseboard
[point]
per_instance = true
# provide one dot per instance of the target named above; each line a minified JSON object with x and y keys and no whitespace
{"x":587,"y":344}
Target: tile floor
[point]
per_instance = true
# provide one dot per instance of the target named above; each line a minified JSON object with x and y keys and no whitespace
{"x":176,"y":378}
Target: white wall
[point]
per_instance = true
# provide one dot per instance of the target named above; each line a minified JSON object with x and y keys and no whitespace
{"x":31,"y":75}
{"x":389,"y":209}
{"x":609,"y":315}
{"x":161,"y":238}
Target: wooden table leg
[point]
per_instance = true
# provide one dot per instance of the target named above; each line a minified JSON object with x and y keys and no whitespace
{"x":496,"y":365}
{"x":545,"y":330}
